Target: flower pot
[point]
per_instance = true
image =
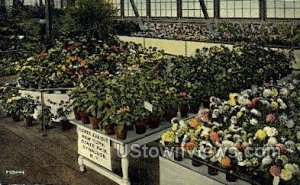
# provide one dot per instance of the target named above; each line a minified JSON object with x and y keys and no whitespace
{"x":184,"y":109}
{"x":94,"y":121}
{"x":109,"y":129}
{"x":212,"y":171}
{"x":130,"y":127}
{"x":229,"y":175}
{"x":65,"y":125}
{"x":121,"y":133}
{"x":153,"y":121}
{"x":28,"y":121}
{"x":170,"y":113}
{"x":196,"y":161}
{"x":178,"y":155}
{"x":206,"y":102}
{"x":16,"y":116}
{"x":76,"y":113}
{"x":194,"y":108}
{"x":140,"y":127}
{"x":85,"y":117}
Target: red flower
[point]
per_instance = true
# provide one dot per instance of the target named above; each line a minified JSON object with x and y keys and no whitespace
{"x":275,"y":170}
{"x":271,"y":118}
{"x":214,"y":137}
{"x":254,"y":102}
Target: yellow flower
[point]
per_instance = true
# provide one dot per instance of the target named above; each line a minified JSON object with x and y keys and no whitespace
{"x":284,"y":159}
{"x":9,"y":100}
{"x":261,"y":134}
{"x":286,"y":174}
{"x":168,"y":136}
{"x":274,"y":92}
{"x":232,"y":102}
{"x":233,"y":95}
{"x":81,"y":85}
{"x":174,"y":127}
{"x":240,"y":114}
{"x":274,"y":105}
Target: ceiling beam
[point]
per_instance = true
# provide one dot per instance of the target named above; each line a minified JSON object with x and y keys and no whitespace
{"x":204,"y":9}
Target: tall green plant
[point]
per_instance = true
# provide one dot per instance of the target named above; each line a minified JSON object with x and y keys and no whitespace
{"x":92,"y":18}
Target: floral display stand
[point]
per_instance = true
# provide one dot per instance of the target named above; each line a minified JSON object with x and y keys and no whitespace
{"x":122,"y":146}
{"x":182,"y":172}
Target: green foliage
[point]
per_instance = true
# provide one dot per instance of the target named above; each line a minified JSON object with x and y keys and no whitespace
{"x":89,"y":17}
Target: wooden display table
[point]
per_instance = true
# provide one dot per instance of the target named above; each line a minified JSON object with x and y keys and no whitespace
{"x":94,"y":149}
{"x":183,"y":172}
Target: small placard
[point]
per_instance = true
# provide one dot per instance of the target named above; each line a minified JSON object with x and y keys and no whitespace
{"x":148,"y":106}
{"x":94,"y":146}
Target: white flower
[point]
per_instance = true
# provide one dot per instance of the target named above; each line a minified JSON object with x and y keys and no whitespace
{"x":295,"y":81}
{"x":272,"y":141}
{"x":286,"y":174}
{"x":282,"y":106}
{"x":174,"y":127}
{"x":298,"y":146}
{"x":290,"y":124}
{"x":20,"y":37}
{"x":271,"y":131}
{"x":242,"y":100}
{"x":266,"y":103}
{"x":227,"y":143}
{"x":291,"y":167}
{"x":291,"y":87}
{"x":245,"y":163}
{"x":205,"y":131}
{"x":267,"y":160}
{"x":267,"y":93}
{"x":182,"y":123}
{"x":215,"y":113}
{"x":255,"y":112}
{"x":284,"y":91}
{"x":233,"y":120}
{"x":290,"y":146}
{"x":253,"y":121}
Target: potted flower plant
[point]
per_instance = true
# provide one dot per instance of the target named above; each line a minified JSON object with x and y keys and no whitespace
{"x":45,"y":117}
{"x":28,"y":107}
{"x":139,"y":115}
{"x":62,"y":113}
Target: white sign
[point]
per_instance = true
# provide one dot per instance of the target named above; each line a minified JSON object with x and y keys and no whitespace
{"x":148,"y":106}
{"x":94,"y":146}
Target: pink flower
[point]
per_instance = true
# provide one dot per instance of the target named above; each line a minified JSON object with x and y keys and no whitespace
{"x":254,"y":102}
{"x":271,"y":118}
{"x":281,"y":147}
{"x":275,"y":170}
{"x":204,"y":114}
{"x":183,"y":94}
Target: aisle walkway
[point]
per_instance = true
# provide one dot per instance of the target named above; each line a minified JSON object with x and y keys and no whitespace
{"x":53,"y":159}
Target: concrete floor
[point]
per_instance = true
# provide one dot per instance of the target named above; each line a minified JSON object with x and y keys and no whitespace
{"x":53,"y":159}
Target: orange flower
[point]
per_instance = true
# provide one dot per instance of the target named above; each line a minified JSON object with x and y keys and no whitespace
{"x":214,"y":137}
{"x":194,"y":123}
{"x":225,"y":162}
{"x":42,"y":54}
{"x":281,"y":147}
{"x":190,"y":145}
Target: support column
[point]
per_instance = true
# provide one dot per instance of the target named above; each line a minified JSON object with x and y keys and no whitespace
{"x":262,"y":10}
{"x":148,"y":8}
{"x":48,"y":20}
{"x":122,"y":8}
{"x":216,"y":9}
{"x":179,"y":8}
{"x":204,"y":9}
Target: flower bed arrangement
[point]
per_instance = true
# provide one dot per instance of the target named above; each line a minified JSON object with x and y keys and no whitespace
{"x":254,"y":133}
{"x":268,"y":34}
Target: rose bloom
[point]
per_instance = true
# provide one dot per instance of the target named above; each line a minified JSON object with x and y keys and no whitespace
{"x":271,"y":118}
{"x":204,"y":114}
{"x":275,"y":170}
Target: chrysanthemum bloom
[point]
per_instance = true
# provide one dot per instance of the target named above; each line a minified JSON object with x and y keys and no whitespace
{"x":204,"y":115}
{"x":261,"y":134}
{"x":225,"y":162}
{"x":214,"y":137}
{"x":275,"y":170}
{"x":281,"y":147}
{"x":271,"y":118}
{"x":194,"y":123}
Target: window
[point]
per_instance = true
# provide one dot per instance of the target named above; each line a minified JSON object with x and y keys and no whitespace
{"x":117,"y":5}
{"x":239,"y":8}
{"x":163,"y":8}
{"x":140,"y":5}
{"x":192,"y":8}
{"x":283,"y":8}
